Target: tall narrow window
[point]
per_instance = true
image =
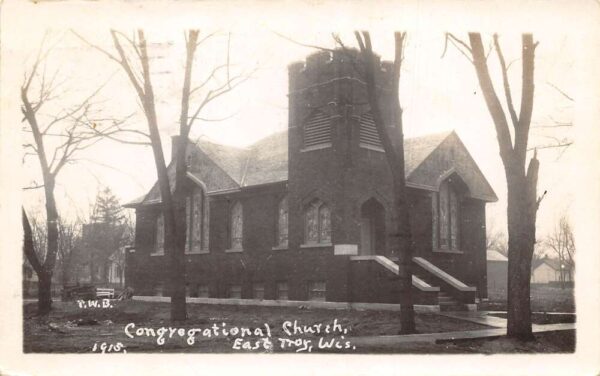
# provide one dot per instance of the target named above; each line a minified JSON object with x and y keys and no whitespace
{"x":196,"y":219}
{"x":196,"y":222}
{"x":317,"y":130}
{"x":317,"y":217}
{"x":159,"y":246}
{"x":282,"y":223}
{"x":446,"y":218}
{"x":236,"y":225}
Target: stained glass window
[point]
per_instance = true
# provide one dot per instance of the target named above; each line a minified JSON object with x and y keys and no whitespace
{"x":444,"y":215}
{"x":160,"y":235}
{"x":446,"y":218}
{"x":318,"y":223}
{"x":236,"y":226}
{"x":196,"y":219}
{"x":282,"y":223}
{"x":453,"y":220}
{"x":196,"y":215}
{"x":324,"y":224}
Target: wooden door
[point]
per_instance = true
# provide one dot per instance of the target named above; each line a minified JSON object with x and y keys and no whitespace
{"x":366,"y":237}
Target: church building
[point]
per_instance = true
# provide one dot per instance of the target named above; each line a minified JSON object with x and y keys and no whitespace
{"x":306,"y":214}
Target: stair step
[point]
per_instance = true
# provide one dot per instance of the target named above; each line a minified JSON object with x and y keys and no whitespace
{"x":453,"y":307}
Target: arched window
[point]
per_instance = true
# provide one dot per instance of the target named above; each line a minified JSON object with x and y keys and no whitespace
{"x":317,"y":217}
{"x":236,"y":226}
{"x":282,"y":223}
{"x":159,"y":246}
{"x":446,"y":218}
{"x":196,"y":221}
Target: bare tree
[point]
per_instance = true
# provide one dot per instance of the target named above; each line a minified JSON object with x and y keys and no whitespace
{"x":130,"y":53}
{"x":56,"y":140}
{"x":496,"y":241}
{"x":69,"y":242}
{"x":561,"y":242}
{"x":393,"y":145}
{"x":521,"y":177}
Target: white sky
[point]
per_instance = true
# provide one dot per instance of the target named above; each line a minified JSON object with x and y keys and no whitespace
{"x":436,"y":93}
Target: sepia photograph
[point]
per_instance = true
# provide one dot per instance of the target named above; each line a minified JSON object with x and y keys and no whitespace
{"x":267,"y":178}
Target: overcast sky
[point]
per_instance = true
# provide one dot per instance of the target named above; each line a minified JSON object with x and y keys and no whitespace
{"x":437,"y":93}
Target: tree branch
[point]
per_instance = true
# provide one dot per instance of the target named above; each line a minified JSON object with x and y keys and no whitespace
{"x":509,"y":101}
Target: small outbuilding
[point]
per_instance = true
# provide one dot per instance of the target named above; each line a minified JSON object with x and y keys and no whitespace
{"x":497,"y":271}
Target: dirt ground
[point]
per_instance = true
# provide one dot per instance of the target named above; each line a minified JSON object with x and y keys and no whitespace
{"x":70,"y":328}
{"x":544,"y":298}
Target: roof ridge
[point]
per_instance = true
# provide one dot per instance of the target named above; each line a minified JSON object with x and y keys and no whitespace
{"x":245,"y":169}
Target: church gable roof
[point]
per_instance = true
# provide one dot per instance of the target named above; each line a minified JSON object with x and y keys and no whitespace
{"x":222,"y":167}
{"x":451,"y":156}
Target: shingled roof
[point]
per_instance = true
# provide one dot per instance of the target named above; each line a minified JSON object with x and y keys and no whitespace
{"x":266,"y":161}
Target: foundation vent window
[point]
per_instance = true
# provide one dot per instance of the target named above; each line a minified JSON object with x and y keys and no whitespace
{"x":282,"y":291}
{"x":316,"y":291}
{"x":235,"y":292}
{"x":258,"y":291}
{"x":203,"y":291}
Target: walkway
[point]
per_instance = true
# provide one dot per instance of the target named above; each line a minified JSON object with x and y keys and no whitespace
{"x":478,"y":317}
{"x":449,"y":336}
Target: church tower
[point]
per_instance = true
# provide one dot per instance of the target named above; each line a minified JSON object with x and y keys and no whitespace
{"x":339,"y":181}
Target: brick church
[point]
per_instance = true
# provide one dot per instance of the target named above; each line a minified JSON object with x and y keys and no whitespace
{"x":305,"y":214}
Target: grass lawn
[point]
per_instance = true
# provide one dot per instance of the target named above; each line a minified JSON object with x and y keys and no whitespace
{"x":544,"y":298}
{"x":69,"y":328}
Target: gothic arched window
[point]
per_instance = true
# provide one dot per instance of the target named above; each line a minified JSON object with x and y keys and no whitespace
{"x":282,"y":223}
{"x":236,"y":226}
{"x":446,"y":218}
{"x":159,"y":246}
{"x":317,"y":219}
{"x":196,"y":221}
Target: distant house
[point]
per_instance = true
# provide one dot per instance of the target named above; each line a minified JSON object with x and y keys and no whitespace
{"x":116,"y":268}
{"x":307,"y":214}
{"x":549,"y":270}
{"x":497,"y":271}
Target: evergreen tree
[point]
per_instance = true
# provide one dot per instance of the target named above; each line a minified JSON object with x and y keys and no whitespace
{"x":107,"y":208}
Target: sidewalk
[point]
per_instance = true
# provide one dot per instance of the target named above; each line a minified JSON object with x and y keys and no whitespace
{"x":478,"y":317}
{"x":449,"y":336}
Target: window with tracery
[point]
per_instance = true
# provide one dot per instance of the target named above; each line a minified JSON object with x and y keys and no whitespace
{"x":446,"y":218}
{"x":236,"y":226}
{"x":317,"y":217}
{"x":282,"y":223}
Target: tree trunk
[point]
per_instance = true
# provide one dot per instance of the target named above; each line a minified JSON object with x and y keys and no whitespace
{"x":44,"y":293}
{"x":521,"y":186}
{"x":177,"y":261}
{"x":393,"y":145}
{"x":407,"y":314}
{"x":521,"y":217}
